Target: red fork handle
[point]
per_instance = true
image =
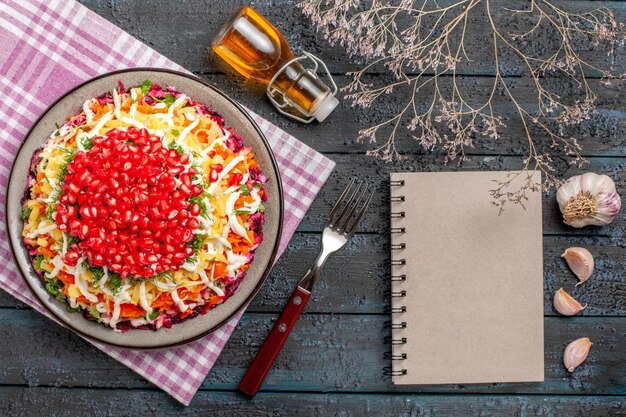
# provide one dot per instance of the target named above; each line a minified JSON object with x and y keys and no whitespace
{"x":265,"y":357}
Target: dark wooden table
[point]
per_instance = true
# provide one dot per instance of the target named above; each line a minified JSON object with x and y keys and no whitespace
{"x":333,"y":363}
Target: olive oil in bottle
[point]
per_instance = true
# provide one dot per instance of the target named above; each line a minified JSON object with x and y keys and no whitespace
{"x":258,"y":51}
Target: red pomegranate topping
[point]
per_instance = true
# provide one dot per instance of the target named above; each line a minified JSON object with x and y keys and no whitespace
{"x":127,"y":201}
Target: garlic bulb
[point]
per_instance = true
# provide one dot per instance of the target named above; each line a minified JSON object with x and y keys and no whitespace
{"x":580,"y":261}
{"x":566,"y":304}
{"x":588,"y":199}
{"x":576,"y":353}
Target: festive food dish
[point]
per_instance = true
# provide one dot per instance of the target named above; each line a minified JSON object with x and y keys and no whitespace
{"x":143,"y":210}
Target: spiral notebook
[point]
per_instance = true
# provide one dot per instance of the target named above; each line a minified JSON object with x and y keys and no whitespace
{"x":467,"y":282}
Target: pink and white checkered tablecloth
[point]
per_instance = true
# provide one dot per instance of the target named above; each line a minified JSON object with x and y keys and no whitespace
{"x":50,"y":47}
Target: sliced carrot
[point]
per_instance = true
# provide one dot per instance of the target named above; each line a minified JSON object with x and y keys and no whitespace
{"x":66,"y":278}
{"x":163,"y":301}
{"x":190,"y":292}
{"x":45,"y":251}
{"x":216,"y":299}
{"x":131,"y":311}
{"x":219,"y":270}
{"x":203,"y":136}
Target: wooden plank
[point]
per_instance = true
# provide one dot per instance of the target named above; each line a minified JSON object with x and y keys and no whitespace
{"x":351,"y":346}
{"x":376,"y":173}
{"x":356,"y":279}
{"x":604,"y":134}
{"x":184,"y":34}
{"x":34,"y":402}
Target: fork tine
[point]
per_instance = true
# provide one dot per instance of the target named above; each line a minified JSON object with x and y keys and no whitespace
{"x":330,"y":216}
{"x":353,"y":208}
{"x":336,"y":222}
{"x":360,"y":215}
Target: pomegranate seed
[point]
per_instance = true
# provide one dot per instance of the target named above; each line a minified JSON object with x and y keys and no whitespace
{"x":83,"y":231}
{"x":235,"y":179}
{"x":71,"y":258}
{"x":128,"y":204}
{"x":213,"y":175}
{"x":186,"y":179}
{"x":195,"y":209}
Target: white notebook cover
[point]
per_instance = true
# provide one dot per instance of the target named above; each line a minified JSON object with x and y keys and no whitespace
{"x":474,"y":281}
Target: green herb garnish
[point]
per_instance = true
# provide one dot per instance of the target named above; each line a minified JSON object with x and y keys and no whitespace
{"x":169,"y":100}
{"x":26,"y":213}
{"x":96,"y":271}
{"x":114,"y":283}
{"x":245,"y":190}
{"x":197,"y":243}
{"x":174,"y":145}
{"x":175,"y":132}
{"x":261,"y":208}
{"x":94,"y":312}
{"x":145,"y":86}
{"x":87,"y":142}
{"x":38,"y":261}
{"x":154,"y":315}
{"x":55,"y":287}
{"x":69,"y":157}
{"x":242,"y":211}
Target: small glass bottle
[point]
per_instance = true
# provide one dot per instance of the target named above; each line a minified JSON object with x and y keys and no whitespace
{"x":258,"y":51}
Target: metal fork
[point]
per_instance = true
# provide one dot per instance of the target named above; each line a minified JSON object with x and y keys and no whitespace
{"x":340,"y":226}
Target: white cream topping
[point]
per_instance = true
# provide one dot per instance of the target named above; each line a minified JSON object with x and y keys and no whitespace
{"x":142,"y":298}
{"x":116,"y":104}
{"x":82,"y":284}
{"x":209,"y":283}
{"x":180,"y":100}
{"x":103,"y":120}
{"x":43,"y":228}
{"x":88,"y":112}
{"x":181,"y":305}
{"x":186,"y":131}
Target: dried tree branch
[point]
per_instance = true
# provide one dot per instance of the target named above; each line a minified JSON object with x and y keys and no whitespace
{"x":422,"y":44}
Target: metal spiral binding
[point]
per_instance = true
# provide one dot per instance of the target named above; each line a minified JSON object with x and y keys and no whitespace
{"x":389,"y":355}
{"x":389,"y":371}
{"x":401,"y":341}
{"x":389,"y":325}
{"x":395,"y":310}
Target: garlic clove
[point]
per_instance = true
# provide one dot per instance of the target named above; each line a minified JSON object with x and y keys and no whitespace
{"x":588,"y":199}
{"x":566,"y":304}
{"x":576,"y":352}
{"x":580,"y":261}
